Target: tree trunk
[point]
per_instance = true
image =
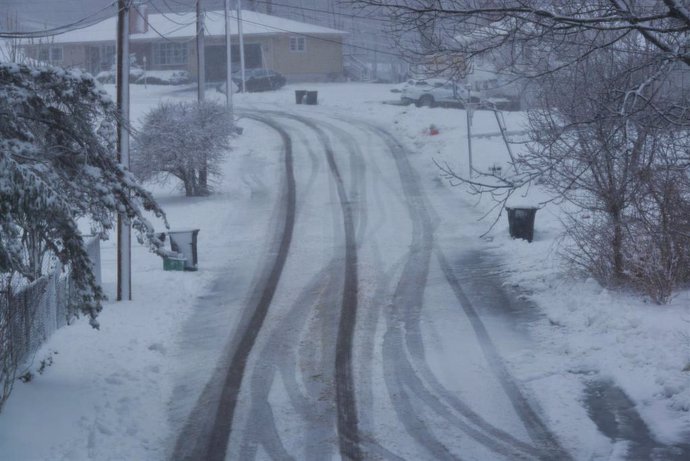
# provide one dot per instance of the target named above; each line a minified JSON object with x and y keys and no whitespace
{"x":617,"y":244}
{"x":203,"y":181}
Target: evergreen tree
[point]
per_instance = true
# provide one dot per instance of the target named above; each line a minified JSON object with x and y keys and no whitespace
{"x":57,"y":165}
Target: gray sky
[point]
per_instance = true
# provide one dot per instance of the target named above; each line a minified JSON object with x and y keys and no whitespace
{"x":58,"y":12}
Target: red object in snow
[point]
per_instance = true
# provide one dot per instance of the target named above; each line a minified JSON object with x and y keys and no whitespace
{"x":433,"y":131}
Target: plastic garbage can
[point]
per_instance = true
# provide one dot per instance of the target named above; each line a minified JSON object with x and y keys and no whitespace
{"x":185,"y":243}
{"x":312,"y":98}
{"x":299,"y":96}
{"x":521,"y":222}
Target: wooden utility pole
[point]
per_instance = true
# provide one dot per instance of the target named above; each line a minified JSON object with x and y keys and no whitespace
{"x":228,"y":56}
{"x":124,"y":231}
{"x":201,"y":82}
{"x":200,"y":55}
{"x":239,"y":31}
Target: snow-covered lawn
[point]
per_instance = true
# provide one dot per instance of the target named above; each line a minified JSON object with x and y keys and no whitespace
{"x":107,"y":393}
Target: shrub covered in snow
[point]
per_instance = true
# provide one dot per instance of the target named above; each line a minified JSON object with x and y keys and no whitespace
{"x":186,"y":140}
{"x":614,"y":145}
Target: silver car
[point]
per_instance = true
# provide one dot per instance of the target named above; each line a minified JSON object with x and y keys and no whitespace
{"x":436,"y":92}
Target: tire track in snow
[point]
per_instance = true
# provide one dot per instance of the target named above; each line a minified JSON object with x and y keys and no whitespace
{"x":278,"y":358}
{"x":548,"y":447}
{"x":281,"y":359}
{"x":210,"y":441}
{"x":411,"y":298}
{"x":540,"y":434}
{"x":348,"y":432}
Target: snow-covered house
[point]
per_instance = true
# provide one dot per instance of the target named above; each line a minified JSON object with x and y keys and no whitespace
{"x":298,"y":50}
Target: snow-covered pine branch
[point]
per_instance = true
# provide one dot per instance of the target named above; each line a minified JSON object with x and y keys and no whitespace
{"x":57,"y":165}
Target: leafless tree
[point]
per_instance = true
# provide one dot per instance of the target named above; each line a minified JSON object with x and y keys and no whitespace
{"x":610,"y":130}
{"x":185,"y":140}
{"x":530,"y":24}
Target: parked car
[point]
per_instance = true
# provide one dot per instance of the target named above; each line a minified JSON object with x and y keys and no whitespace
{"x":109,"y":76}
{"x":164,"y":77}
{"x":401,"y":86}
{"x":436,"y":92}
{"x":259,"y":80}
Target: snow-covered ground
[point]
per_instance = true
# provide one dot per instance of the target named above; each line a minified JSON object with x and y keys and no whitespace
{"x":108,"y":393}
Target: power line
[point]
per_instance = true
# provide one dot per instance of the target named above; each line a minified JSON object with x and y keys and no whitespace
{"x":330,"y":13}
{"x":165,"y":15}
{"x":77,"y":25}
{"x":161,"y":35}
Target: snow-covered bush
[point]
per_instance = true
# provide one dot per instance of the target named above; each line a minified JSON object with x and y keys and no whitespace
{"x":186,"y":140}
{"x":58,"y":164}
{"x":610,"y":139}
{"x":609,"y":134}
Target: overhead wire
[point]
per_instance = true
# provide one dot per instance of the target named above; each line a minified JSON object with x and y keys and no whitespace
{"x":163,"y":36}
{"x":330,"y":13}
{"x":166,"y":15}
{"x":49,"y":32}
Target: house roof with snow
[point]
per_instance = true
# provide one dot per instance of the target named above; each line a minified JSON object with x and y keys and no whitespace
{"x":183,"y":26}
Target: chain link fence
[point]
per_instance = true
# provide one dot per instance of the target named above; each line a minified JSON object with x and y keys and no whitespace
{"x":31,"y":314}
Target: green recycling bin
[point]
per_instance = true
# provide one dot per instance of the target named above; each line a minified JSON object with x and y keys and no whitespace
{"x":173,"y":263}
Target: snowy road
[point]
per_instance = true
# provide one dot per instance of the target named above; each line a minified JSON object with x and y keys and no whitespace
{"x":358,"y":341}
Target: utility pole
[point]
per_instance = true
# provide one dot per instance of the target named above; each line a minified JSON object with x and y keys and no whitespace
{"x":239,"y":31}
{"x":124,"y":231}
{"x":201,"y":81}
{"x":228,"y":57}
{"x":200,"y":57}
{"x":468,"y":110}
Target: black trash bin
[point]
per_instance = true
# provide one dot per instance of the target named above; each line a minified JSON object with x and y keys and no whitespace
{"x":312,"y":98}
{"x":299,"y":96}
{"x":521,"y":222}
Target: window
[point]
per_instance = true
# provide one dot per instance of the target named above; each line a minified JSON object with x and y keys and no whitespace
{"x":50,"y":54}
{"x":106,"y":56}
{"x":167,"y":54}
{"x":56,"y":54}
{"x":298,"y":44}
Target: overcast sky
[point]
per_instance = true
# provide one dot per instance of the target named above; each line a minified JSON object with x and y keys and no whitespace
{"x":59,"y":12}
